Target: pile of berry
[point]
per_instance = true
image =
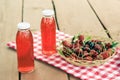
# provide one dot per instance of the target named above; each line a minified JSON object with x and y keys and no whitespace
{"x":87,"y":49}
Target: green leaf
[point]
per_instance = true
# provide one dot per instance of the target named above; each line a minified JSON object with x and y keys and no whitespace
{"x":114,"y":44}
{"x":75,"y":38}
{"x":60,"y":51}
{"x":88,"y":38}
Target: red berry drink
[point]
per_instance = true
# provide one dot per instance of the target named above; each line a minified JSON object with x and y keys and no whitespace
{"x":24,"y":43}
{"x":48,"y":33}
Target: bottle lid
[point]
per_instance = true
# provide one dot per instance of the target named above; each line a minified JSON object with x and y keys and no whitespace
{"x":48,"y":12}
{"x":23,"y":25}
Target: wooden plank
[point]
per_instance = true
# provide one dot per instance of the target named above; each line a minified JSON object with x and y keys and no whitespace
{"x":32,"y":14}
{"x":109,"y":13}
{"x":44,"y":71}
{"x":76,"y":16}
{"x":10,"y":15}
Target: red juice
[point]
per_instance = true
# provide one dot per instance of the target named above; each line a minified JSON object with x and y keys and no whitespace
{"x":48,"y":34}
{"x":24,"y":43}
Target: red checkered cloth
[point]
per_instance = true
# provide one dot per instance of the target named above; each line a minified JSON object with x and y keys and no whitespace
{"x":108,"y":71}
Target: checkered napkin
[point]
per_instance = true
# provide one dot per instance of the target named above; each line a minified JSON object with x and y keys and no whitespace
{"x":108,"y":71}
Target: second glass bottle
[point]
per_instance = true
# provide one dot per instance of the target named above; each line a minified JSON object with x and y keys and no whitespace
{"x":48,"y":33}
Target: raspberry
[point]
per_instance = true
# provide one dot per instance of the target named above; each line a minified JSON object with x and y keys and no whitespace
{"x":86,"y":49}
{"x":93,"y":52}
{"x":98,"y":47}
{"x":67,"y":44}
{"x":85,"y":53}
{"x":81,"y":37}
{"x":78,"y":50}
{"x":105,"y":54}
{"x":77,"y":43}
{"x":81,"y":43}
{"x":108,"y":45}
{"x":89,"y":58}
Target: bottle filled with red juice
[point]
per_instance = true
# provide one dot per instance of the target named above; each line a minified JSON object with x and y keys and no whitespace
{"x":24,"y":44}
{"x":48,"y":33}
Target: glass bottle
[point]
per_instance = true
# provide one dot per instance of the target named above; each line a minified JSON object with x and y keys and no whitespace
{"x":24,"y":44}
{"x":48,"y":33}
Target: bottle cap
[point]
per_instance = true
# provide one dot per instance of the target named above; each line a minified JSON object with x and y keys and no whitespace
{"x":23,"y":25}
{"x":48,"y":12}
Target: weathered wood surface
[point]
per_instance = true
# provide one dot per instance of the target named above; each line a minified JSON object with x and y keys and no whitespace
{"x":109,"y":13}
{"x":10,"y":15}
{"x":77,"y":17}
